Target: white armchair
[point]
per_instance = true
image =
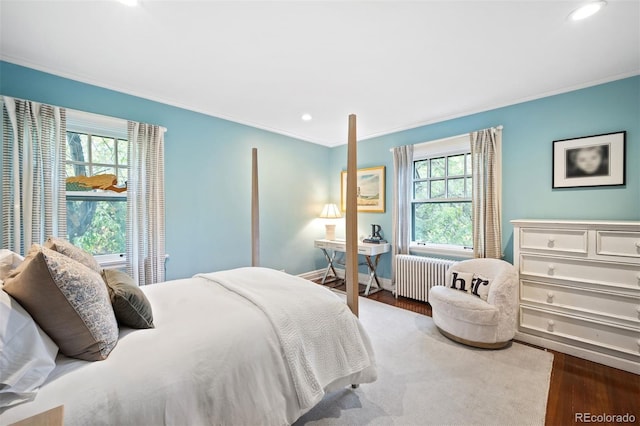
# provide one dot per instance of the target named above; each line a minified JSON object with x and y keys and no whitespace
{"x":467,"y":318}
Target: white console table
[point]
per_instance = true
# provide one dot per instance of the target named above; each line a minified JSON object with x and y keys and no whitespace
{"x":371,"y":253}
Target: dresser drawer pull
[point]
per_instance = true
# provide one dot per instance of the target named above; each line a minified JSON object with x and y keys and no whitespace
{"x":550,"y":325}
{"x":637,"y":244}
{"x":552,"y":240}
{"x":552,"y":267}
{"x":638,"y":309}
{"x":550,"y":297}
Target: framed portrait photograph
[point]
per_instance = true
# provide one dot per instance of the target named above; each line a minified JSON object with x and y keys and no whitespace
{"x":597,"y":160}
{"x":371,"y":188}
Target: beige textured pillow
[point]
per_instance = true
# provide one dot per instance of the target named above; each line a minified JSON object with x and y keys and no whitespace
{"x":76,"y":253}
{"x":131,"y":306}
{"x":68,"y":300}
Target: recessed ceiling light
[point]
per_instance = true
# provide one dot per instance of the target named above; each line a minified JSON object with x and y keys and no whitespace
{"x":129,"y":2}
{"x":306,"y":117}
{"x":587,"y":10}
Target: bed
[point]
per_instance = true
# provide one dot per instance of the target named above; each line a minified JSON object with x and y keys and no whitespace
{"x":224,"y":350}
{"x":244,"y":346}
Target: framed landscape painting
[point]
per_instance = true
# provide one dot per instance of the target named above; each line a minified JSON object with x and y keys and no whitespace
{"x":589,"y":161}
{"x":371,"y":188}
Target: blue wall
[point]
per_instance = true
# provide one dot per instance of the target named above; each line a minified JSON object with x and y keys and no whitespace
{"x":529,"y":131}
{"x":208,"y":178}
{"x":208,"y":169}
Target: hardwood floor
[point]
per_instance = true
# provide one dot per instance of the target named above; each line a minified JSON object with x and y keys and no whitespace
{"x":578,"y":388}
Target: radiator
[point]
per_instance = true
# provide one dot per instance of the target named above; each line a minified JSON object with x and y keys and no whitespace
{"x":415,"y":275}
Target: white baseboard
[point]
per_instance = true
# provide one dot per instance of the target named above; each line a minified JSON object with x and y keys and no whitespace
{"x":362,"y":278}
{"x":580,"y":352}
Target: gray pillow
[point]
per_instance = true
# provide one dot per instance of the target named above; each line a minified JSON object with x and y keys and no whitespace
{"x":69,"y":302}
{"x":76,"y":253}
{"x":131,"y":306}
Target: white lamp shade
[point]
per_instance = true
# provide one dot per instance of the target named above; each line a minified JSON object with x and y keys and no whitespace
{"x":330,"y":211}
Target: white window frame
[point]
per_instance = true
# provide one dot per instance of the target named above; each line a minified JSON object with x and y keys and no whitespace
{"x":99,"y":125}
{"x":440,"y":148}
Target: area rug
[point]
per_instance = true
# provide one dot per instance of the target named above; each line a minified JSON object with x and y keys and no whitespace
{"x":426,"y":379}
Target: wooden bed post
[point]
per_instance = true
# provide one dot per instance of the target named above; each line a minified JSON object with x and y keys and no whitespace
{"x":255,"y":210}
{"x":351,"y":266}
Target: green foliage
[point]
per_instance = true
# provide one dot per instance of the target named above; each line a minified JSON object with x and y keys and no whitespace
{"x":455,"y":165}
{"x":443,"y":223}
{"x":90,"y":155}
{"x":106,"y":234}
{"x":442,"y":205}
{"x":98,"y":226}
{"x":438,"y":167}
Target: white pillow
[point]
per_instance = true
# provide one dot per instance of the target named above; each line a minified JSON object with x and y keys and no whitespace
{"x":27,"y":354}
{"x":480,"y":286}
{"x":8,"y":261}
{"x":460,"y":281}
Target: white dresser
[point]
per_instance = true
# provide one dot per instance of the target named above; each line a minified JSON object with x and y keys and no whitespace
{"x":580,"y":288}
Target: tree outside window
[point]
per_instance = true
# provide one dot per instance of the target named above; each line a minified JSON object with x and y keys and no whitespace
{"x":441,"y":203}
{"x":96,"y":219}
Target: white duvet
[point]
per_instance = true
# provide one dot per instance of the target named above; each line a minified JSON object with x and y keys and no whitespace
{"x":250,"y":346}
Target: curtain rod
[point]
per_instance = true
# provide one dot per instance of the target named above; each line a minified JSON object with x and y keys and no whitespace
{"x":499,"y":127}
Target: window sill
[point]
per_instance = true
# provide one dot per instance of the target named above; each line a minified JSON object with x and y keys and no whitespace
{"x":96,"y":195}
{"x":441,"y":250}
{"x":111,"y":261}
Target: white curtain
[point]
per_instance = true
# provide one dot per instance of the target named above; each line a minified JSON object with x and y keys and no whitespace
{"x":401,"y":211}
{"x":145,"y":204}
{"x":33,"y":174}
{"x":487,"y":192}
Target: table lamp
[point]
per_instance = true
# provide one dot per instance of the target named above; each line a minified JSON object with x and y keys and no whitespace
{"x":330,"y":211}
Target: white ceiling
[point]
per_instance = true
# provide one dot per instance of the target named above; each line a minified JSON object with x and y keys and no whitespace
{"x":395,"y":64}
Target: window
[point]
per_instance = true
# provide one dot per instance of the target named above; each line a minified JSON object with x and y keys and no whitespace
{"x":441,"y":199}
{"x":96,"y":218}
